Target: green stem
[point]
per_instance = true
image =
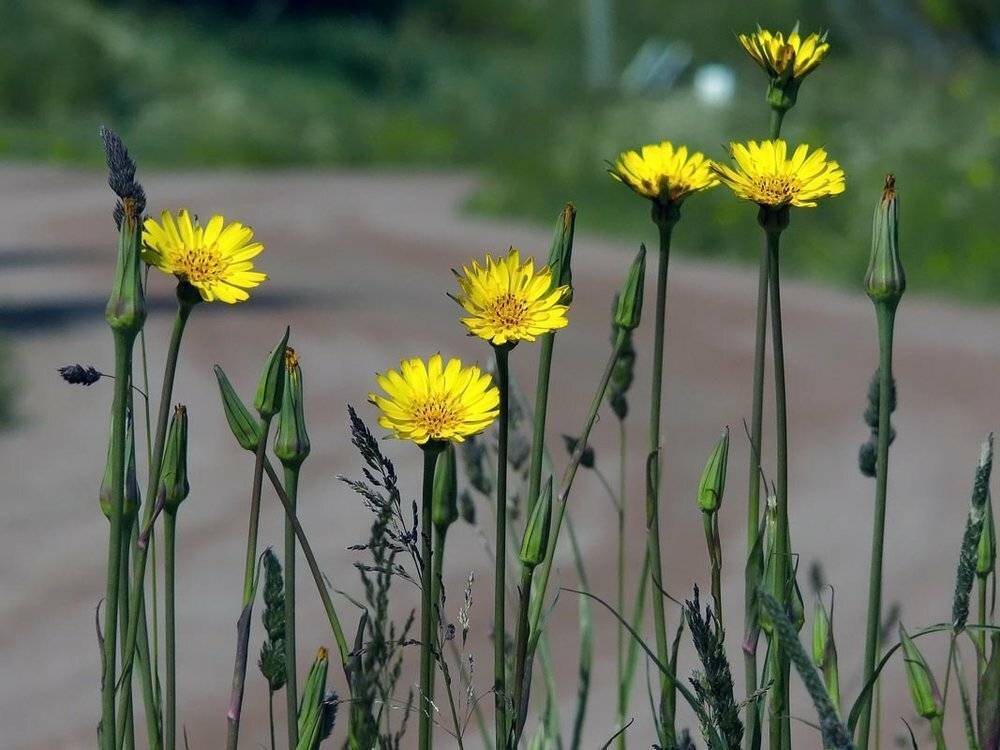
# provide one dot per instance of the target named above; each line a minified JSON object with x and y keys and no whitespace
{"x":886,"y":314}
{"x":521,"y":647}
{"x":620,"y":598}
{"x":136,"y":595}
{"x":777,"y":117}
{"x":538,"y":424}
{"x":437,"y":596}
{"x":169,"y":531}
{"x":426,"y":695}
{"x":665,"y":730}
{"x":632,"y":649}
{"x":937,"y":729}
{"x":291,"y":682}
{"x":711,"y":524}
{"x":318,"y":579}
{"x":779,"y":708}
{"x":270,"y":717}
{"x":981,"y":635}
{"x":148,"y":675}
{"x":129,"y":727}
{"x":499,"y":586}
{"x":123,"y":380}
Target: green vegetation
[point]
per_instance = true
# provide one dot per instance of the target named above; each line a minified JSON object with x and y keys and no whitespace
{"x":499,"y":87}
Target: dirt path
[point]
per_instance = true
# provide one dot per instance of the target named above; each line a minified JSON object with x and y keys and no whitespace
{"x":359,"y":266}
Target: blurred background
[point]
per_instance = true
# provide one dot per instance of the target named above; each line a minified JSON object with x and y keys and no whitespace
{"x":372,"y":145}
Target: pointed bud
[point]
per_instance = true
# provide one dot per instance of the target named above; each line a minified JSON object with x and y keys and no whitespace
{"x":444,"y":502}
{"x":126,"y":308}
{"x":291,"y":443}
{"x":132,"y":495}
{"x":629,"y":311}
{"x":713,"y":478}
{"x":885,"y":281}
{"x":923,"y":687}
{"x":561,"y":254}
{"x":173,"y":475}
{"x":245,"y":426}
{"x":267,"y":399}
{"x":986,"y":555}
{"x":536,"y":534}
{"x":310,"y":705}
{"x":824,"y":651}
{"x":624,"y":370}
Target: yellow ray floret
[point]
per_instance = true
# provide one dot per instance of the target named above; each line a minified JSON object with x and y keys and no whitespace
{"x":510,"y":301}
{"x":664,"y":173}
{"x":435,"y":401}
{"x":775,"y":53}
{"x":215,"y":259}
{"x":765,"y":175}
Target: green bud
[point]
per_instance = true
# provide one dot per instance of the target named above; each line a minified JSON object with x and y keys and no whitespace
{"x":986,"y":555}
{"x":923,"y":687}
{"x":311,"y":702}
{"x":824,"y":651}
{"x":245,"y":426}
{"x":291,"y":443}
{"x":536,"y":534}
{"x":444,"y":502}
{"x":624,"y":369}
{"x":562,"y":252}
{"x":126,"y":308}
{"x":106,"y":494}
{"x":885,"y":280}
{"x":267,"y":399}
{"x":797,"y":607}
{"x":629,"y":311}
{"x":713,"y":478}
{"x":173,"y":475}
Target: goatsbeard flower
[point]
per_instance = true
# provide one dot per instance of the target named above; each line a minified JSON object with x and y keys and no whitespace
{"x":767,"y":177}
{"x":510,"y":301}
{"x":215,"y":259}
{"x":663,"y":173}
{"x":781,"y":57}
{"x":435,"y":402}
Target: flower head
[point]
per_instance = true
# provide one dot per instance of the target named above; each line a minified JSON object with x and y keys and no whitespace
{"x":781,"y":57}
{"x":215,"y":259}
{"x":434,"y":401}
{"x":510,"y":301}
{"x":663,"y":173}
{"x":765,"y":175}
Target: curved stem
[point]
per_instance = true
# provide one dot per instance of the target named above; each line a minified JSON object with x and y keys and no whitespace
{"x":499,"y":586}
{"x":426,"y":696}
{"x":886,"y":317}
{"x":291,"y":682}
{"x":665,"y":731}
{"x":169,"y":530}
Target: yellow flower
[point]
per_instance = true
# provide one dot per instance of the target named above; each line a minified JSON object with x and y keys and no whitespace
{"x":215,"y":259}
{"x":434,"y":401}
{"x":765,"y":176}
{"x":509,"y":301}
{"x":662,"y":173}
{"x":793,"y":57}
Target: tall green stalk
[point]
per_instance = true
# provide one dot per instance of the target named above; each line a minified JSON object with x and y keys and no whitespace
{"x":620,"y":589}
{"x":500,"y":584}
{"x":665,"y":217}
{"x":426,"y":696}
{"x":291,"y":683}
{"x":129,"y":728}
{"x":170,"y":643}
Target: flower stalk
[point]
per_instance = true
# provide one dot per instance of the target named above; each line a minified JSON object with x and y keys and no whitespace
{"x":500,"y":696}
{"x":431,"y":450}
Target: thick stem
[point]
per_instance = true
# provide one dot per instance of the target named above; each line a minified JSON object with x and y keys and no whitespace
{"x":779,"y":716}
{"x":521,"y":643}
{"x":538,"y":425}
{"x":270,"y":716}
{"x":937,"y":729}
{"x":169,"y":629}
{"x":981,"y":634}
{"x":123,"y":380}
{"x":148,"y":673}
{"x":620,"y":598}
{"x":712,"y":543}
{"x":777,"y":117}
{"x":184,"y":307}
{"x":437,"y":589}
{"x":886,"y":314}
{"x":128,"y":729}
{"x":426,"y":696}
{"x":291,"y":682}
{"x":666,"y":731}
{"x":499,"y":586}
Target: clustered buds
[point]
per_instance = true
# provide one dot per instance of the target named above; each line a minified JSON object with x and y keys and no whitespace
{"x":272,"y":651}
{"x":444,"y":502}
{"x":885,"y":281}
{"x":535,"y":543}
{"x":291,"y":443}
{"x":173,"y":476}
{"x":628,"y":314}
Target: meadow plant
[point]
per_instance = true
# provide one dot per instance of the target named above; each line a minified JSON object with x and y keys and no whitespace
{"x":461,"y":414}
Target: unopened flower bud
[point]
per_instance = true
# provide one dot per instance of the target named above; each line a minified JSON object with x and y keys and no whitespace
{"x":624,"y":369}
{"x":885,"y":281}
{"x":561,"y":253}
{"x":107,"y":493}
{"x":629,"y":311}
{"x":267,"y":399}
{"x":535,"y":543}
{"x":311,"y":702}
{"x":291,"y":443}
{"x":173,"y":475}
{"x":713,"y":478}
{"x":923,"y":687}
{"x":245,"y":426}
{"x":824,"y":651}
{"x":126,"y":308}
{"x":444,"y":501}
{"x":986,"y":555}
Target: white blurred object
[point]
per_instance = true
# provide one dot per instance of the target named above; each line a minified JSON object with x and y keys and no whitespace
{"x":656,"y":67}
{"x":715,"y":84}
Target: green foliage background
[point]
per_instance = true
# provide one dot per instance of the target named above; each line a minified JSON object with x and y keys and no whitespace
{"x":498,"y":86}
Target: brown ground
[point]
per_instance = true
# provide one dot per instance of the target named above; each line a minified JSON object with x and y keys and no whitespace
{"x":359,"y":266}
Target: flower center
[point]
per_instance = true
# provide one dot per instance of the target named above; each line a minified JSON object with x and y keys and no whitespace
{"x":776,"y":190}
{"x":199,"y":264}
{"x":508,"y":310}
{"x":436,"y":415}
